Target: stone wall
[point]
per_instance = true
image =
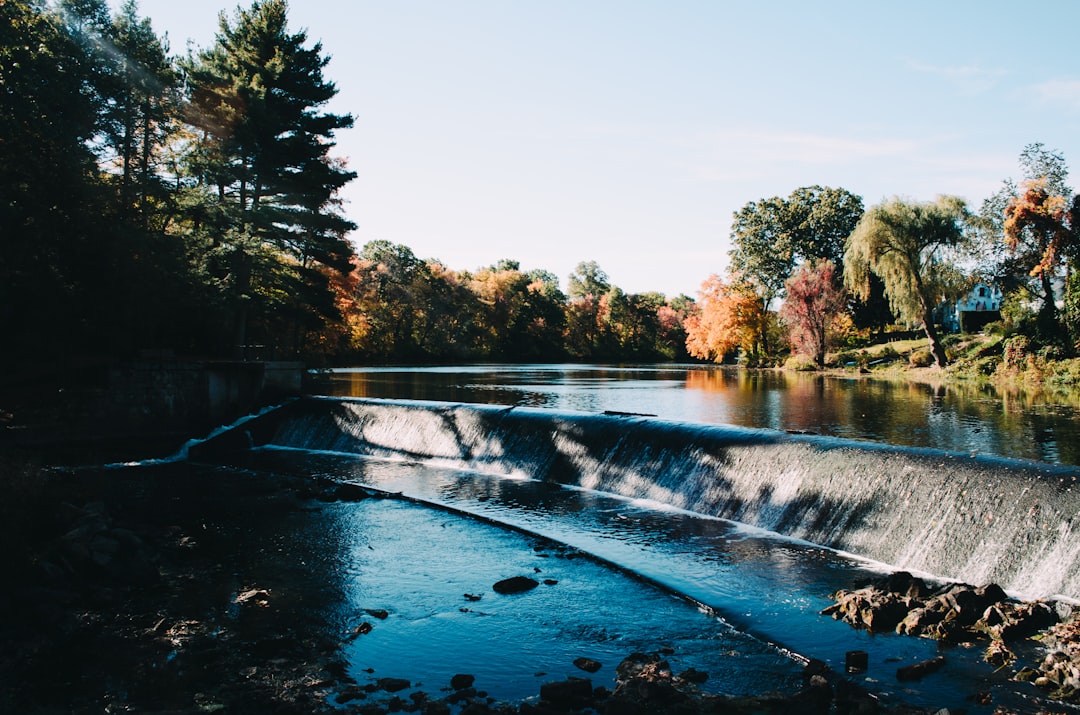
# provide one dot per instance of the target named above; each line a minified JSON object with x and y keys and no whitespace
{"x":194,"y":397}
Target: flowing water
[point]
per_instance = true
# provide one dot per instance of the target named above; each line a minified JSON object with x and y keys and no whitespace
{"x":755,"y":527}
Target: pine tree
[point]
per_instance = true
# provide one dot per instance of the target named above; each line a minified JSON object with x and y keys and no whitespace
{"x":255,"y":97}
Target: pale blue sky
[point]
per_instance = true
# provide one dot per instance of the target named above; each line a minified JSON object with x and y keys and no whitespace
{"x":628,"y":131}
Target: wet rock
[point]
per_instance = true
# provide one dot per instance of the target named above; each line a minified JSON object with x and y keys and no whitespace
{"x":462,"y":681}
{"x":917,"y":671}
{"x":515,"y":584}
{"x":572,"y":692}
{"x":957,"y":613}
{"x":380,"y":613}
{"x":588,"y":665}
{"x":693,"y":675}
{"x":393,"y":685}
{"x":856,"y":661}
{"x":351,"y":493}
{"x":253,"y":597}
{"x":874,"y":609}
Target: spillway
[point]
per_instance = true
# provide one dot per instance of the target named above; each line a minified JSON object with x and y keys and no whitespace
{"x":973,"y":519}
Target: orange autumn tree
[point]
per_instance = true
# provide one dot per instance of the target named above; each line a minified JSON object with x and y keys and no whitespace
{"x":1039,"y":227}
{"x":730,"y":317}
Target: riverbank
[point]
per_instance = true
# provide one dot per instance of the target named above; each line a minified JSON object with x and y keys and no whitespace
{"x":1007,"y":364}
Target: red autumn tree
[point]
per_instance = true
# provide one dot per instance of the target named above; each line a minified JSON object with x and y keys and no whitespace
{"x":812,"y":303}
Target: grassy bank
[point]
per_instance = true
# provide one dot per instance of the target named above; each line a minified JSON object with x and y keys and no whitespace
{"x":1006,"y":363}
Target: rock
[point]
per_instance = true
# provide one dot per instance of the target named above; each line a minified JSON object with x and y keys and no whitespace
{"x":572,"y":692}
{"x":856,"y":661}
{"x":393,"y":685}
{"x":919,"y":670}
{"x":693,"y":675}
{"x":904,"y":584}
{"x":380,"y":613}
{"x":588,"y":665}
{"x":253,"y":596}
{"x":462,"y":681}
{"x":515,"y":584}
{"x":998,"y":654}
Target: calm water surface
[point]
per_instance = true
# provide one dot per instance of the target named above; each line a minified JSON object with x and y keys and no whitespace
{"x":964,"y":418}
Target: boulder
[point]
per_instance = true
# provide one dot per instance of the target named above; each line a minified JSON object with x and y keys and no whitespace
{"x":917,"y":671}
{"x":572,"y":692}
{"x":587,"y":664}
{"x":515,"y":584}
{"x":462,"y":681}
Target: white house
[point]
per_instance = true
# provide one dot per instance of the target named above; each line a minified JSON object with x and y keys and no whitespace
{"x":971,"y":312}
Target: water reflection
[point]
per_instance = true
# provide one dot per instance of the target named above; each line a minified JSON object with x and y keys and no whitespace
{"x":1030,"y":424}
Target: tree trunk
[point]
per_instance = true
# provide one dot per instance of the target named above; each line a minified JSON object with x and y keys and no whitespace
{"x":1047,"y":320}
{"x":936,"y":348}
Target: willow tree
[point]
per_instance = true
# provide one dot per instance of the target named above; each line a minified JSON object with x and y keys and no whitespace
{"x":910,"y":247}
{"x":257,"y":96}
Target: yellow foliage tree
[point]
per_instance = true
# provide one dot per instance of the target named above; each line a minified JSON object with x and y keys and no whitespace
{"x":730,"y":317}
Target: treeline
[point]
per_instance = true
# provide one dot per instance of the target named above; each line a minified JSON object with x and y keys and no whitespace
{"x":190,"y":204}
{"x":400,"y":308}
{"x":814,"y":271}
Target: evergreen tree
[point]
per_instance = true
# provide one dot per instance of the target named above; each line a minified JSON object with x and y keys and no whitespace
{"x":256,"y":97}
{"x":49,"y":199}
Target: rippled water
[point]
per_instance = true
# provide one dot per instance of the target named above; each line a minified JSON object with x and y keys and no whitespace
{"x":962,"y":418}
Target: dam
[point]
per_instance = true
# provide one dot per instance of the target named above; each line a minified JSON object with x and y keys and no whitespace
{"x":972,"y":519}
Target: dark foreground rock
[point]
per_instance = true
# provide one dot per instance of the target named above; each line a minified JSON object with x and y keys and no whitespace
{"x":515,"y":584}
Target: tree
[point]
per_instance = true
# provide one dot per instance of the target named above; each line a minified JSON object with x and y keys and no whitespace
{"x":139,"y":95}
{"x":52,"y":239}
{"x":588,"y":279}
{"x":812,"y":303}
{"x":1025,"y":232}
{"x":730,"y":317}
{"x":256,"y":96}
{"x":908,"y":245}
{"x":772,"y":236}
{"x":1040,"y":225}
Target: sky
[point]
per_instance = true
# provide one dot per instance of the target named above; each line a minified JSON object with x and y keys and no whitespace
{"x":628,"y":132}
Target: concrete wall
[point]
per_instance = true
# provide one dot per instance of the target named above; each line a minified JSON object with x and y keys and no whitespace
{"x":194,"y":396}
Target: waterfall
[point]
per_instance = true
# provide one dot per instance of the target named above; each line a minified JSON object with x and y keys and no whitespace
{"x":974,"y":519}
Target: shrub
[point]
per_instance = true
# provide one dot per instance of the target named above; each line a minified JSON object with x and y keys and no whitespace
{"x":921,"y":358}
{"x":801,"y":363}
{"x":1015,"y":353}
